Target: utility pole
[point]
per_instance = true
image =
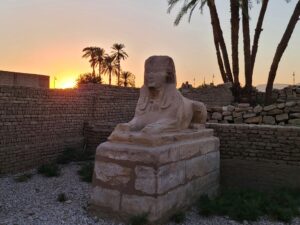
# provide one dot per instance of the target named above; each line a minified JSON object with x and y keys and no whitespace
{"x":55,"y":79}
{"x":194,"y":82}
{"x":294,"y":80}
{"x":213,"y":77}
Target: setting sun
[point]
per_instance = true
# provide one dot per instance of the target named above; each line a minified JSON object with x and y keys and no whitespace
{"x":67,"y":84}
{"x":63,"y":82}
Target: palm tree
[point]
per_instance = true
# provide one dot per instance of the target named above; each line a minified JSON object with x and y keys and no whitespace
{"x":87,"y":78}
{"x":127,"y":79}
{"x":118,"y":53}
{"x":280,"y":50}
{"x":89,"y":52}
{"x":221,"y":51}
{"x":109,"y":66}
{"x":189,"y":7}
{"x":100,"y":53}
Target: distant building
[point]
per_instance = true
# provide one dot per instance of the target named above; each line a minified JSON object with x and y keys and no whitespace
{"x":186,"y":85}
{"x":24,"y":79}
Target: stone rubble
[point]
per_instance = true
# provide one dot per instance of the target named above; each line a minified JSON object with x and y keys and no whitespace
{"x":276,"y":114}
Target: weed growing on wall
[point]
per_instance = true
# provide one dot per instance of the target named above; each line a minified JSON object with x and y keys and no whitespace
{"x":86,"y":172}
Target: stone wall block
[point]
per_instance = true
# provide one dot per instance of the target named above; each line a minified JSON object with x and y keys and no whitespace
{"x":282,"y":117}
{"x":145,"y":179}
{"x":138,"y":205}
{"x":112,"y":173}
{"x":170,"y":176}
{"x":269,"y":120}
{"x":202,"y":165}
{"x":106,"y":197}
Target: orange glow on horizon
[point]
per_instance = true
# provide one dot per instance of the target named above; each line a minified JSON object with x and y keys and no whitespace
{"x":63,"y":82}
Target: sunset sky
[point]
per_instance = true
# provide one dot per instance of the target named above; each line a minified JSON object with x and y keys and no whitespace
{"x":47,"y":37}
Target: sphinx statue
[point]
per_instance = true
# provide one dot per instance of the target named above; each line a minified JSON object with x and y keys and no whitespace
{"x":161,"y":107}
{"x":162,"y":160}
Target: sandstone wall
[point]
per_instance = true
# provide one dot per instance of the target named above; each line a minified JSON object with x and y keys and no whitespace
{"x":259,"y":156}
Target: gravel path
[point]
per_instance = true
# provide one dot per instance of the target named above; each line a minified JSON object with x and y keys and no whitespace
{"x":35,"y":203}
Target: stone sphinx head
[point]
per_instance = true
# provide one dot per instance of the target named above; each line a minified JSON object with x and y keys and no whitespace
{"x":159,"y":71}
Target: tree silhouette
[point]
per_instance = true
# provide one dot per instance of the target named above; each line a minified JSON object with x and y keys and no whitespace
{"x":109,"y":66}
{"x":280,"y":50}
{"x":118,"y":53}
{"x":87,"y":78}
{"x":99,"y":55}
{"x":127,"y":79}
{"x":90,"y":52}
{"x":249,"y":54}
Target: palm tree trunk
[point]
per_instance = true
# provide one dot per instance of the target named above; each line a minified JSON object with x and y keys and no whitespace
{"x":235,"y":26}
{"x":258,"y":31}
{"x":280,"y":50}
{"x":219,"y":35}
{"x":119,"y":71}
{"x":100,"y":73}
{"x":247,"y":53}
{"x":219,"y":56}
{"x":220,"y":62}
{"x":109,"y":77}
{"x":93,"y":70}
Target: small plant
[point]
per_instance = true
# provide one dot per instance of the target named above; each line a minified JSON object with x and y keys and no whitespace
{"x":86,"y":172}
{"x":62,"y":197}
{"x":140,"y":219}
{"x":178,"y":217}
{"x":239,"y":204}
{"x":23,"y":178}
{"x":49,"y":170}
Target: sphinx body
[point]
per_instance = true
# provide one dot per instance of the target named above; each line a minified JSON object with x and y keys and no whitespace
{"x":161,"y":107}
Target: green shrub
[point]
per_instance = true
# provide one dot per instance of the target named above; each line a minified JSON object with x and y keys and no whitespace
{"x":240,"y":204}
{"x":49,"y":170}
{"x":86,"y":172}
{"x":62,"y":197}
{"x":178,"y":217}
{"x":140,"y":219}
{"x":23,"y":178}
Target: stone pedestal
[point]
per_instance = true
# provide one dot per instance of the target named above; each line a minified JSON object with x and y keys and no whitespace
{"x":154,"y":174}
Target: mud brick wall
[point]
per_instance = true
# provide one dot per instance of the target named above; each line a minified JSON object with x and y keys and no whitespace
{"x":259,"y":156}
{"x":220,"y":95}
{"x":24,"y":79}
{"x":38,"y":124}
